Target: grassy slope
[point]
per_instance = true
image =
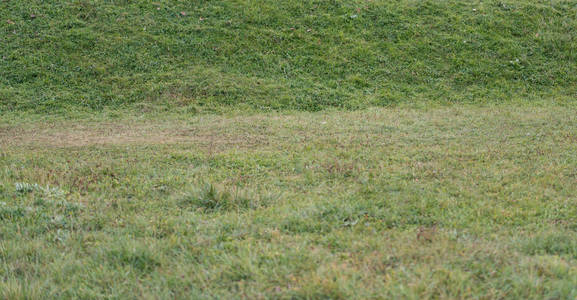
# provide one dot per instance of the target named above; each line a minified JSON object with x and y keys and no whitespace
{"x":264,"y":54}
{"x":136,"y":198}
{"x":460,"y":202}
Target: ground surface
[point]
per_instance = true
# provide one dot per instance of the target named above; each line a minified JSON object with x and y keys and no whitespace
{"x":288,"y":149}
{"x":450,"y":202}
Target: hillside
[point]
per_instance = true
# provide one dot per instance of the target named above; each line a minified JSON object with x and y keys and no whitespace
{"x":191,"y":56}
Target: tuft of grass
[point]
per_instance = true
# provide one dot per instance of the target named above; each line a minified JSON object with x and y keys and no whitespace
{"x":138,"y":258}
{"x":554,"y":243}
{"x":24,"y":188}
{"x":211,"y":199}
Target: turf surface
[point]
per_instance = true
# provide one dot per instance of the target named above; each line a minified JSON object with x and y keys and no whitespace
{"x":459,"y":202}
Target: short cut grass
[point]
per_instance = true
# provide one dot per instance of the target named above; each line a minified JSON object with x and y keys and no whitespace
{"x":194,"y":56}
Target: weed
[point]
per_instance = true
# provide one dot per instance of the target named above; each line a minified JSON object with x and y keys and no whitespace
{"x":209,"y":198}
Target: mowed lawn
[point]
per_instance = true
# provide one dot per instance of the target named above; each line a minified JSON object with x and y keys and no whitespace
{"x":449,"y":202}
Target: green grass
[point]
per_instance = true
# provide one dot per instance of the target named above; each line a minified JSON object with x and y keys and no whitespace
{"x":265,"y":149}
{"x":200,"y":56}
{"x":454,"y":202}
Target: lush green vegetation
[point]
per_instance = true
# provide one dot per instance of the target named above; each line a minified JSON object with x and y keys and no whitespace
{"x":317,"y":149}
{"x":59,"y":56}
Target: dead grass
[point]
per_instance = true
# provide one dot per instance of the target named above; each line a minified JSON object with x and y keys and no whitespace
{"x":222,"y":132}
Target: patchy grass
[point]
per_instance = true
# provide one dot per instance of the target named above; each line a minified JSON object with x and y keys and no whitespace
{"x":454,"y":202}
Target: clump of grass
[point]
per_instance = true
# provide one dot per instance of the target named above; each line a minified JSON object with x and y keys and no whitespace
{"x":25,"y":188}
{"x":49,"y":192}
{"x":210,"y":198}
{"x":48,"y":196}
{"x":139,"y":258}
{"x":43,"y":208}
{"x":551,"y":244}
{"x":10,"y":213}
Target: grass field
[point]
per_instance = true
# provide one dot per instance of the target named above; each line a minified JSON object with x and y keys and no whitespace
{"x":456,"y":202}
{"x":260,"y":149}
